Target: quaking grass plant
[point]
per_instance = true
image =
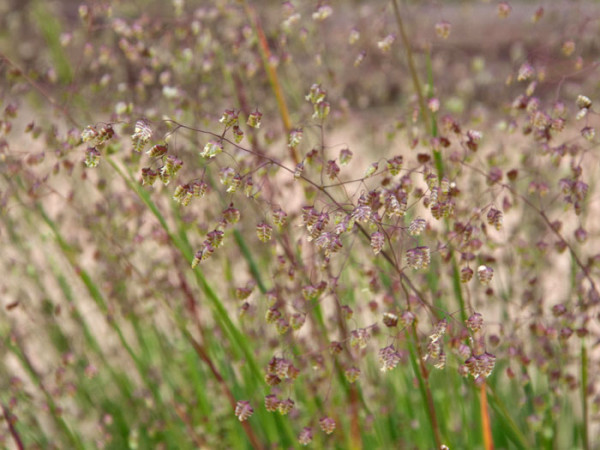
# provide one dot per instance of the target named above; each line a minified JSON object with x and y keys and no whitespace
{"x":200,"y":254}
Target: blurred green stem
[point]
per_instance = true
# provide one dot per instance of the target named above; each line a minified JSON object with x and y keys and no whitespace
{"x":584,"y":394}
{"x":411,"y":66}
{"x":100,"y":301}
{"x":416,"y":359}
{"x":8,"y":417}
{"x":271,"y":71}
{"x":431,"y":127}
{"x":15,"y":345}
{"x":220,"y":312}
{"x":427,"y":120}
{"x":514,"y":432}
{"x":203,"y":354}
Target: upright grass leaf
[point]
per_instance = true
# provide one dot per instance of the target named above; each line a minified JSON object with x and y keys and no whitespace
{"x":584,"y":395}
{"x":50,"y":27}
{"x":265,"y":53}
{"x":509,"y":425}
{"x":70,"y":436}
{"x":234,"y":333}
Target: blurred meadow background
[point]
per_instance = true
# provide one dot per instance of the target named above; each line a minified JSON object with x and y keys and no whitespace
{"x":240,"y":224}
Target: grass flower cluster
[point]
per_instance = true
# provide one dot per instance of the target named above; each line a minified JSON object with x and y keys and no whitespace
{"x":337,"y":225}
